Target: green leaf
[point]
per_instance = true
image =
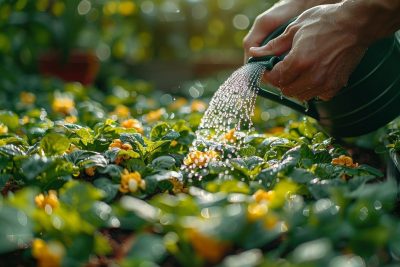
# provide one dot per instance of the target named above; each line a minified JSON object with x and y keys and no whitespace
{"x":163,"y":162}
{"x":11,"y":150}
{"x":54,"y":144}
{"x":79,"y":250}
{"x":96,"y":160}
{"x":15,"y":229}
{"x":110,"y":190}
{"x":86,"y":135}
{"x":371,"y":170}
{"x":301,"y":176}
{"x":136,"y":165}
{"x":159,"y":131}
{"x":9,"y":118}
{"x":80,"y":195}
{"x":148,"y":247}
{"x":247,"y":151}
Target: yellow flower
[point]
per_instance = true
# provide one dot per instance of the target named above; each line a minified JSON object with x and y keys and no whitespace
{"x":27,"y":98}
{"x":177,"y":104}
{"x":90,"y":171}
{"x":271,"y":221}
{"x":131,"y":182}
{"x":47,"y":255}
{"x":275,"y":130}
{"x":25,"y":119}
{"x":178,"y":186}
{"x":63,"y":104}
{"x":126,"y":8}
{"x":282,"y":190}
{"x":199,"y":158}
{"x":207,"y":247}
{"x":344,"y":161}
{"x":121,"y":111}
{"x":133,"y":124}
{"x":198,"y":106}
{"x":71,"y":148}
{"x":47,"y":202}
{"x":264,"y":196}
{"x":174,"y":143}
{"x":71,"y":119}
{"x":256,"y":211}
{"x":154,"y":115}
{"x":230,"y":136}
{"x":3,"y":129}
{"x":117,"y":143}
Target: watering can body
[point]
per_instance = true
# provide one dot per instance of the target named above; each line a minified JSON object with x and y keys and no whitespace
{"x":370,"y":100}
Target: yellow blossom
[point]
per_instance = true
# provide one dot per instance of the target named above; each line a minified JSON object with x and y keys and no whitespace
{"x":198,"y":106}
{"x":131,"y":182}
{"x":3,"y":129}
{"x":264,"y":196}
{"x":282,"y":190}
{"x":211,"y":249}
{"x":27,"y":98}
{"x":178,"y":186}
{"x":344,"y":161}
{"x":47,"y":255}
{"x":177,"y":104}
{"x":117,"y":143}
{"x":25,"y":119}
{"x":63,"y":104}
{"x":90,"y":171}
{"x":47,"y":201}
{"x":71,"y":119}
{"x":271,"y":221}
{"x":200,"y":158}
{"x":121,"y":111}
{"x":71,"y":148}
{"x":126,"y":8}
{"x":256,"y":211}
{"x":133,"y":124}
{"x":230,"y":136}
{"x":154,"y":115}
{"x":275,"y":130}
{"x":174,"y":143}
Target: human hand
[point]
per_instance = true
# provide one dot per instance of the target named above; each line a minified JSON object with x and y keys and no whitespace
{"x":274,"y":17}
{"x":268,"y":21}
{"x":323,"y":51}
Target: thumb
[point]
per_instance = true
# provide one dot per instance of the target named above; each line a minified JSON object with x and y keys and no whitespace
{"x":277,"y":46}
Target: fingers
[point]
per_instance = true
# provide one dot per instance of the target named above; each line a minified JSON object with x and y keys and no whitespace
{"x":262,"y":27}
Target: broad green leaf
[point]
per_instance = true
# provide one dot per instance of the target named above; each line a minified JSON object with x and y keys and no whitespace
{"x":86,"y":135}
{"x":54,"y":144}
{"x":9,"y":118}
{"x":148,"y":247}
{"x":11,"y":150}
{"x":301,"y":176}
{"x":15,"y":229}
{"x":163,"y":162}
{"x":110,"y":189}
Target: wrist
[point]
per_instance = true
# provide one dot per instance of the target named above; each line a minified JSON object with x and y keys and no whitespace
{"x":370,"y":20}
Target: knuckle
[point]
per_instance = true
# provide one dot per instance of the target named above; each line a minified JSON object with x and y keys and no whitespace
{"x":246,"y":42}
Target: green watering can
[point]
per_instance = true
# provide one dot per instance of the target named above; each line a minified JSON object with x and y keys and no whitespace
{"x":370,"y":100}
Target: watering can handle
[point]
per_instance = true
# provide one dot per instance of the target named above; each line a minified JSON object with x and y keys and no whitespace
{"x":269,"y":62}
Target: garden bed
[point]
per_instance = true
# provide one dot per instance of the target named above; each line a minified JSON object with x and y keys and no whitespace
{"x":95,"y":178}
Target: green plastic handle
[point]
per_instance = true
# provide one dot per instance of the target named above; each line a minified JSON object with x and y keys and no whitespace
{"x":269,"y":62}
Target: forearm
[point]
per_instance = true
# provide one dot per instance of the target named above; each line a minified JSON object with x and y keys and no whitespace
{"x":371,"y":19}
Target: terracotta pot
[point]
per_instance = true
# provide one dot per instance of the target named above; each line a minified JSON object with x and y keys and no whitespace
{"x":78,"y":66}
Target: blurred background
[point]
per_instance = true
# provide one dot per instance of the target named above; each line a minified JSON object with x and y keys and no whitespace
{"x":166,"y":42}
